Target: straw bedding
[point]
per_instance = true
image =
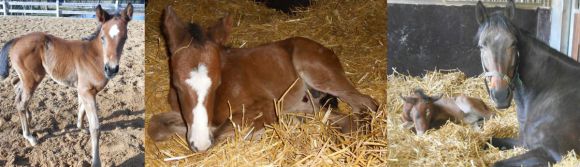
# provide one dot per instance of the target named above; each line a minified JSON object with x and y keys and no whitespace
{"x":452,"y":145}
{"x":354,"y":30}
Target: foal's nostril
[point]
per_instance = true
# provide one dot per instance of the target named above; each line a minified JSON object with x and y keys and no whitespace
{"x":115,"y":70}
{"x":192,"y":147}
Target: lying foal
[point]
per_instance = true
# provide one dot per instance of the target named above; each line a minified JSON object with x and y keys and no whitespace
{"x":427,"y":112}
{"x":213,"y":85}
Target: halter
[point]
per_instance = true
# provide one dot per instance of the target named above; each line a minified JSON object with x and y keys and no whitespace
{"x":183,"y":47}
{"x":510,"y":81}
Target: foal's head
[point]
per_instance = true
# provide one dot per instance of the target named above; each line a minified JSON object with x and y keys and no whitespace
{"x":420,"y":108}
{"x":195,"y":71}
{"x":113,"y":34}
{"x":497,"y":40}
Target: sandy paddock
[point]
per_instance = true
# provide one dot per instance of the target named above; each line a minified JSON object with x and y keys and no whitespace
{"x":54,"y":107}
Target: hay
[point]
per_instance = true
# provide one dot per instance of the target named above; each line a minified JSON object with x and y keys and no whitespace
{"x":452,"y":145}
{"x":354,"y":30}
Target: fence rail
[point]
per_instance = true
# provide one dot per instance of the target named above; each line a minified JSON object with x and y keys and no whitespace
{"x":58,"y":8}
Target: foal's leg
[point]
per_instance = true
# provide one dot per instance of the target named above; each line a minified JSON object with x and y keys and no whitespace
{"x":321,"y":70}
{"x":257,"y":115}
{"x":328,"y":77}
{"x":81,"y":114}
{"x":24,"y":91}
{"x":89,"y":102}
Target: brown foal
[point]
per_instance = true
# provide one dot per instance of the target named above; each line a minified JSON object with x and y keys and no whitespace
{"x":86,"y":64}
{"x":427,"y":112}
{"x":210,"y":82}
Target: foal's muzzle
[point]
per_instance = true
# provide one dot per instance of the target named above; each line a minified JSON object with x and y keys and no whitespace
{"x":111,"y":71}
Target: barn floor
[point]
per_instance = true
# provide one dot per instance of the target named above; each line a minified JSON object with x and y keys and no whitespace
{"x":451,"y":145}
{"x":354,"y":30}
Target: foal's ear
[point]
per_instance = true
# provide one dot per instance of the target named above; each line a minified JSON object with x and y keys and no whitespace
{"x":220,"y":31}
{"x":127,"y":14}
{"x":101,"y":14}
{"x":435,"y":98}
{"x":174,"y":30}
{"x":480,"y":13}
{"x":510,"y":9}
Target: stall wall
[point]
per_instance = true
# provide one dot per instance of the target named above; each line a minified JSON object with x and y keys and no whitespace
{"x":427,"y":37}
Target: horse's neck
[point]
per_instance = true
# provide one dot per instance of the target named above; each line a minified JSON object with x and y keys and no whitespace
{"x":539,"y":67}
{"x":536,"y":59}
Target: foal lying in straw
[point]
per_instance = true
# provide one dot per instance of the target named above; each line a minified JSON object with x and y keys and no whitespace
{"x":427,"y":112}
{"x":214,"y":87}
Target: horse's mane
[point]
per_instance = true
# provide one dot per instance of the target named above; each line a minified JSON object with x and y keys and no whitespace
{"x":94,"y":34}
{"x":98,"y":30}
{"x":196,"y":31}
{"x":421,"y":93}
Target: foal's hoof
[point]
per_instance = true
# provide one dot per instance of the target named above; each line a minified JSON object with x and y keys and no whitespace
{"x":32,"y":140}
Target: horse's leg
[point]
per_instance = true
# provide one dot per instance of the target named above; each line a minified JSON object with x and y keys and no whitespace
{"x":164,"y":125}
{"x":535,"y":157}
{"x":81,"y":114}
{"x":256,"y":115}
{"x":24,"y":91}
{"x":321,"y":70}
{"x":504,"y":143}
{"x":89,"y":102}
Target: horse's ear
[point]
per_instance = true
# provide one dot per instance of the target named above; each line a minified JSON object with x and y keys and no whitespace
{"x":510,"y":9}
{"x":101,"y":14}
{"x":408,"y":99}
{"x":480,"y":13}
{"x":220,"y":31}
{"x":435,"y":98}
{"x":127,"y":14}
{"x":174,"y":30}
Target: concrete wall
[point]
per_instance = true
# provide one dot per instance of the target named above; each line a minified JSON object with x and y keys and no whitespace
{"x":429,"y":37}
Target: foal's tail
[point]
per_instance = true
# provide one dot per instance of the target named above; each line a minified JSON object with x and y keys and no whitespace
{"x":162,"y":126}
{"x":4,"y":64}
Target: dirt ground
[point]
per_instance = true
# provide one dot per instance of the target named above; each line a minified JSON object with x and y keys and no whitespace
{"x":54,"y":107}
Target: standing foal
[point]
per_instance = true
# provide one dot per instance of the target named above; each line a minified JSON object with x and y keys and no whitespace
{"x":86,"y":64}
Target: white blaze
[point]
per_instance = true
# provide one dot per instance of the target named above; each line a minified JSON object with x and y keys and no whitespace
{"x":114,"y":31}
{"x":200,"y":82}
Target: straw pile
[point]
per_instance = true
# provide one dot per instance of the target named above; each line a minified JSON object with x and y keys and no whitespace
{"x":354,"y":30}
{"x":452,"y":145}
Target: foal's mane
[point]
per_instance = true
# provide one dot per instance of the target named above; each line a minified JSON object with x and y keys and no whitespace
{"x":98,"y":30}
{"x":197,"y":33}
{"x":421,"y":93}
{"x":94,"y":34}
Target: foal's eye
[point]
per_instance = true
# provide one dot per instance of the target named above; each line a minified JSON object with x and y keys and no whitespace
{"x":103,"y":38}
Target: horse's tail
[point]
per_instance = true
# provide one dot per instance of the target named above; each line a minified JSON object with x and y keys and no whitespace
{"x":4,"y":64}
{"x":162,"y":126}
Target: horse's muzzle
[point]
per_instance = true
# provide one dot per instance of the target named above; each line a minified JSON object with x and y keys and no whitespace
{"x":110,"y":72}
{"x":501,"y":97}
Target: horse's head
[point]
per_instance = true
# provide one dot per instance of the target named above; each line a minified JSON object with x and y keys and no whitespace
{"x":497,"y":40}
{"x":195,"y":71}
{"x":420,"y":108}
{"x":113,"y":35}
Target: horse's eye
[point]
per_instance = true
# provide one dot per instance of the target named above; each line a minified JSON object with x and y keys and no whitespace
{"x":103,"y":38}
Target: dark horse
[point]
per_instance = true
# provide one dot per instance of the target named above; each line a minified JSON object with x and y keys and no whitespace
{"x":543,"y":82}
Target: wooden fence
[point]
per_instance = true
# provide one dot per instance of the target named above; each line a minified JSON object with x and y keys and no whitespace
{"x":59,"y":9}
